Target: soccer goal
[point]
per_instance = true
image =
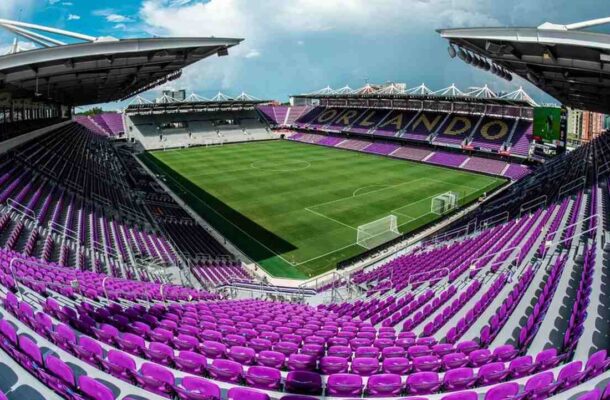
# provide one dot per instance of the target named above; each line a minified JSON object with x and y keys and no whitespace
{"x":444,"y":203}
{"x":377,"y":232}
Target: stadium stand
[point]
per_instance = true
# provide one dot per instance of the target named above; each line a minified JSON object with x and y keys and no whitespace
{"x":508,"y":302}
{"x":348,"y":349}
{"x":482,"y":133}
{"x":165,"y":130}
{"x":427,"y":155}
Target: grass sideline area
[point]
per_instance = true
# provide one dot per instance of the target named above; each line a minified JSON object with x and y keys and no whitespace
{"x":295,"y":208}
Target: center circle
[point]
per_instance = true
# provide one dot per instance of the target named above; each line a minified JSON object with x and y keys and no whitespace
{"x":283,"y":166}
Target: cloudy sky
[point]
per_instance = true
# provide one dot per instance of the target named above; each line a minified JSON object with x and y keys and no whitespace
{"x":296,"y":46}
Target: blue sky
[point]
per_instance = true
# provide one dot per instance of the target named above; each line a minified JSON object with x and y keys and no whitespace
{"x":296,"y":46}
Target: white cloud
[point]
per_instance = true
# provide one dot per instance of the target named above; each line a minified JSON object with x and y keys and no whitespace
{"x":15,"y":8}
{"x":118,"y":18}
{"x":67,"y":3}
{"x":120,"y":26}
{"x":253,"y":53}
{"x":51,"y":2}
{"x":73,"y":17}
{"x":265,"y":23}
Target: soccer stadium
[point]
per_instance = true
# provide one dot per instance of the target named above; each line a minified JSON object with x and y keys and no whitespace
{"x":380,"y":241}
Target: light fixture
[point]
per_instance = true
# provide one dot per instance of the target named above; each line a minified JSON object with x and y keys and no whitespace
{"x":468,"y":58}
{"x":462,"y":54}
{"x":451,"y":51}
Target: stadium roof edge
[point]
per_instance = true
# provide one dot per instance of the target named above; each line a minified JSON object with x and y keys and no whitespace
{"x":103,"y":70}
{"x":570,"y":64}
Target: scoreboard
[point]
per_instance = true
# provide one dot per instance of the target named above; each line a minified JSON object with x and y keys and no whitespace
{"x":550,"y":127}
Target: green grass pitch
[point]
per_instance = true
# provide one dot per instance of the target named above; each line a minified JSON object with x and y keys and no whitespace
{"x":294,"y":208}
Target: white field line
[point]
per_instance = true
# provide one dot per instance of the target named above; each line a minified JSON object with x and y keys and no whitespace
{"x":329,"y":218}
{"x":365,"y":194}
{"x":364,"y":187}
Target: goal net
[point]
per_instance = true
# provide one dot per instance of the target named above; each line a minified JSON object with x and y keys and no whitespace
{"x":378,"y":232}
{"x":444,"y":203}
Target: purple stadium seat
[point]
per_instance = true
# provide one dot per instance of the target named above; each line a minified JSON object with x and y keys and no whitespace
{"x":461,"y":396}
{"x":263,"y":377}
{"x":61,"y":377}
{"x":156,"y":378}
{"x":454,"y":360}
{"x":191,"y":362}
{"x":570,"y":375}
{"x":426,"y":363}
{"x":226,"y":371}
{"x":423,"y":383}
{"x":131,"y":343}
{"x":367,"y":352}
{"x":242,"y":355}
{"x":8,"y":339}
{"x":594,"y":394}
{"x":596,"y":363}
{"x":467,"y":346}
{"x":297,"y":397}
{"x":505,"y":352}
{"x":193,"y":388}
{"x":365,"y":366}
{"x":340,"y":351}
{"x":502,"y":391}
{"x":259,"y":344}
{"x":106,"y":333}
{"x":185,"y":342}
{"x":521,"y":366}
{"x":492,"y":373}
{"x":94,"y":389}
{"x":301,"y":362}
{"x":303,"y":382}
{"x":272,"y":359}
{"x":344,"y":385}
{"x":237,"y":393}
{"x":547,"y":359}
{"x":286,"y":348}
{"x":442,"y":349}
{"x":160,"y":353}
{"x":212,"y":349}
{"x":384,"y":385}
{"x":333,"y":365}
{"x":33,"y":356}
{"x":540,"y":386}
{"x":396,"y":365}
{"x":459,"y":379}
{"x":119,"y":365}
{"x":479,"y":357}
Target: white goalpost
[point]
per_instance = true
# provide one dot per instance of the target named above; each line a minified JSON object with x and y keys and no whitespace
{"x":444,"y":203}
{"x":377,"y":232}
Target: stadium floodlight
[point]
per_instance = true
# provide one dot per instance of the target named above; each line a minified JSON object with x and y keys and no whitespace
{"x":375,"y":233}
{"x":462,"y":54}
{"x":451,"y":51}
{"x":468,"y":58}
